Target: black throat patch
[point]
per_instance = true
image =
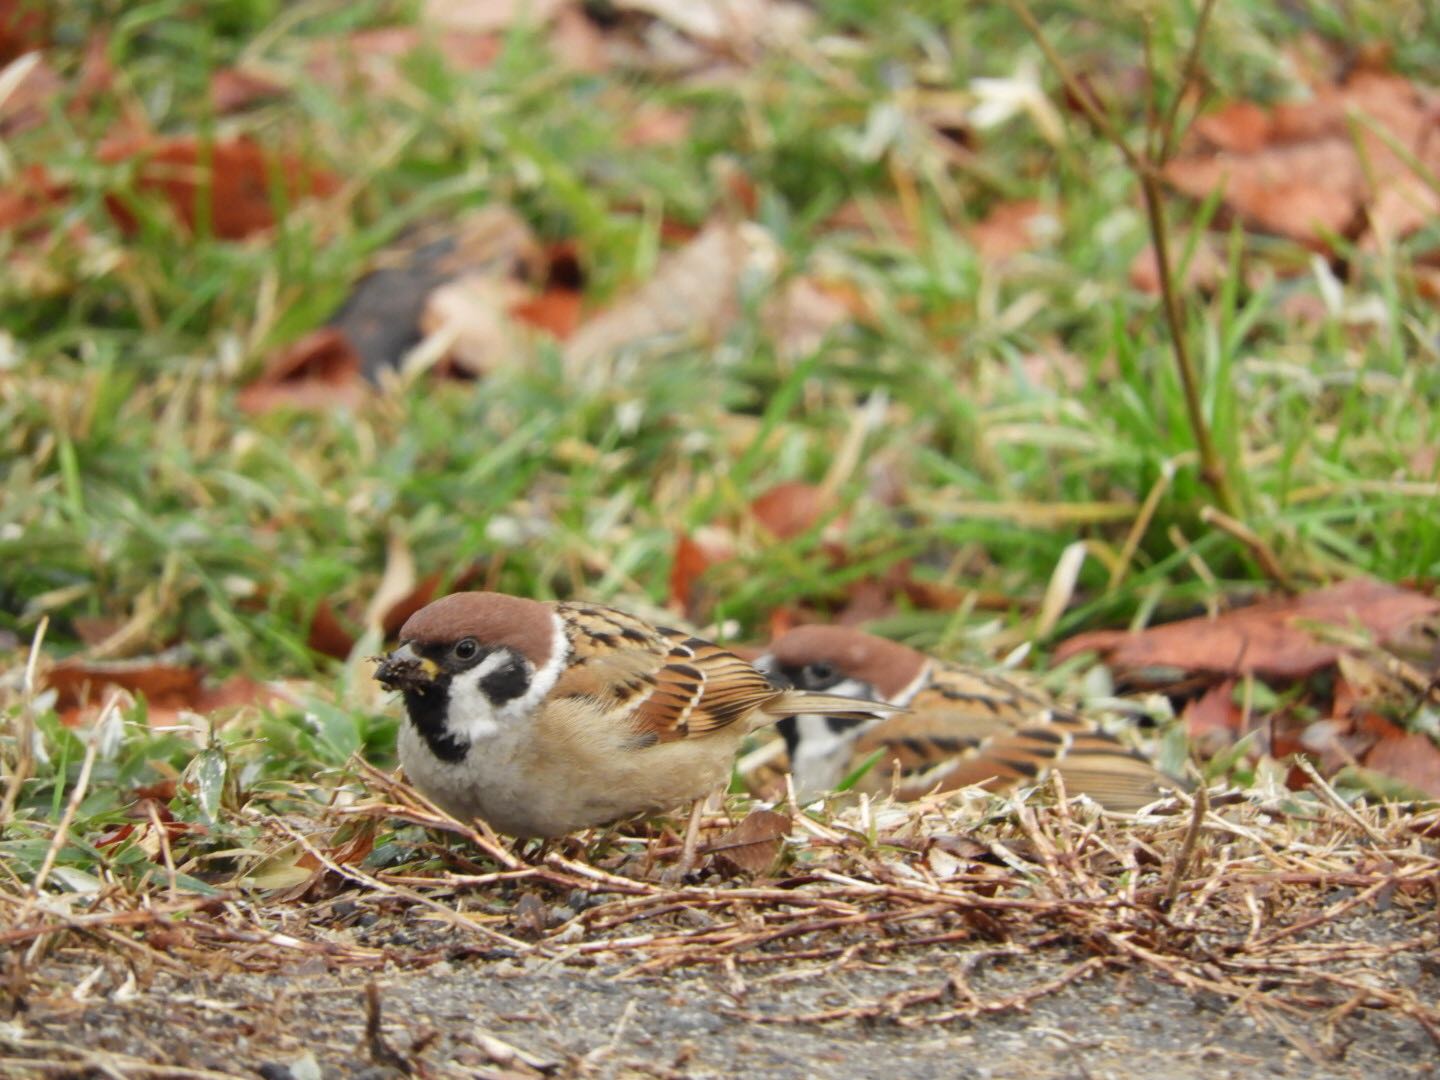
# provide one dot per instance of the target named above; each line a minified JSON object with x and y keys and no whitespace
{"x":427,"y":710}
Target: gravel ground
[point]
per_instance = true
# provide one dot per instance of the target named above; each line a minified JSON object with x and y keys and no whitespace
{"x":307,"y":1021}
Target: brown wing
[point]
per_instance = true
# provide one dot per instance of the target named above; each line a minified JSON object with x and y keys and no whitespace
{"x":956,"y":735}
{"x":671,"y":684}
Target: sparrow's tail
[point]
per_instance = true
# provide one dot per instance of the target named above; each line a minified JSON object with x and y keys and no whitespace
{"x":848,"y":710}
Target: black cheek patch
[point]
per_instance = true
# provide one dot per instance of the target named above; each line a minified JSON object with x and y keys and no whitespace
{"x":507,"y":682}
{"x":427,"y":710}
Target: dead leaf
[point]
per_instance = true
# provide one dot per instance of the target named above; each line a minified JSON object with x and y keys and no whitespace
{"x":1213,"y":720}
{"x":654,"y":124}
{"x":753,"y":846}
{"x":233,"y":89}
{"x":396,"y":583}
{"x":1268,"y":639}
{"x":372,"y":60}
{"x":488,"y":16}
{"x":577,"y":43}
{"x":693,"y":556}
{"x":33,"y":85}
{"x":232,"y":182}
{"x":879,"y":219}
{"x":696,"y":294}
{"x":1203,"y":272}
{"x":802,"y":316}
{"x":741,"y":27}
{"x":78,"y":682}
{"x":380,"y":319}
{"x":327,"y":635}
{"x":320,"y":371}
{"x":407,"y":605}
{"x":556,"y":311}
{"x":24,"y":25}
{"x":473,"y":315}
{"x":1411,"y":758}
{"x":791,"y":509}
{"x":1012,"y":228}
{"x":1307,"y":169}
{"x":28,"y":196}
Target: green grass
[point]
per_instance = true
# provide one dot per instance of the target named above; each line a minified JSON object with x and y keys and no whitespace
{"x":131,"y":479}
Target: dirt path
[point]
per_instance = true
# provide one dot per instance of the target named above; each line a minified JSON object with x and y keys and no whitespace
{"x":457,"y":1018}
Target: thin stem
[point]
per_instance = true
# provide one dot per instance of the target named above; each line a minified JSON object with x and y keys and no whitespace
{"x":1146,"y":169}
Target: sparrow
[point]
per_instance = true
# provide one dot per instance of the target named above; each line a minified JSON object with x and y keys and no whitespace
{"x":543,"y":718}
{"x":961,"y":726}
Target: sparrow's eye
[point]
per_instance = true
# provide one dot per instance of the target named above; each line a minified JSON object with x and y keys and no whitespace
{"x":466,"y":649}
{"x":820,"y":673}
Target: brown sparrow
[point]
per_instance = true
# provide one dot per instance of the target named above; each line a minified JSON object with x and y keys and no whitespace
{"x":961,"y":727}
{"x":544,"y":718}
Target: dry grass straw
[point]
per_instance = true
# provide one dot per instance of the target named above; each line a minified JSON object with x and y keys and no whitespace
{"x":1293,"y":918}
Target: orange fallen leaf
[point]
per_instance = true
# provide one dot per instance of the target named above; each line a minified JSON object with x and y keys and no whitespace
{"x":753,"y":846}
{"x":327,"y":635}
{"x":319,"y":371}
{"x":1268,"y":639}
{"x":556,"y":311}
{"x":791,"y":509}
{"x":693,"y":556}
{"x":234,"y":183}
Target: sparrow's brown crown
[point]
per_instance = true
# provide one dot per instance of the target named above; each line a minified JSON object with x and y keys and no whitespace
{"x":493,"y":619}
{"x":886,"y":666}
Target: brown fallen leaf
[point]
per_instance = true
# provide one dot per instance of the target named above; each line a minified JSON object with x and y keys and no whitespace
{"x":327,"y":635}
{"x":27,"y":198}
{"x":1203,"y":272}
{"x":80,"y":682}
{"x":1213,"y":720}
{"x":373,"y":60}
{"x":1268,"y":639}
{"x":320,"y":371}
{"x":233,"y":89}
{"x":791,"y":509}
{"x":654,"y":124}
{"x":473,"y":315}
{"x":1012,"y":228}
{"x":753,"y":846}
{"x":1412,"y":758}
{"x":24,"y":25}
{"x":487,"y":16}
{"x":1305,"y":170}
{"x":34,"y":84}
{"x":695,"y":294}
{"x":695,"y":554}
{"x":232,"y":182}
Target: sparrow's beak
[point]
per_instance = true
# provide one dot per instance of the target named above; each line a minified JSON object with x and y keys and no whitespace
{"x":404,"y":669}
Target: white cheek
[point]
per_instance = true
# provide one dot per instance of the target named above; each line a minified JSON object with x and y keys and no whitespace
{"x":853,"y":688}
{"x":471,"y":715}
{"x":820,"y":756}
{"x":474,"y":717}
